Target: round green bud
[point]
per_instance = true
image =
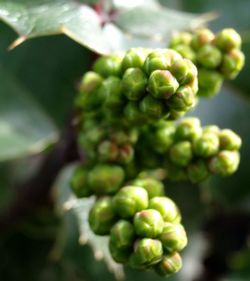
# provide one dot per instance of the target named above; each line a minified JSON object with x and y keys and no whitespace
{"x":225,"y":163}
{"x":211,"y":129}
{"x":176,"y":173}
{"x":105,"y":179}
{"x":170,"y":264}
{"x":180,"y":38}
{"x":108,"y":65}
{"x":148,"y":223}
{"x":129,"y":200}
{"x":147,"y":252}
{"x":197,"y":171}
{"x":175,"y":114}
{"x":108,"y":151}
{"x":229,"y":140}
{"x":126,"y":154}
{"x":119,"y":255}
{"x":181,"y":153}
{"x":180,"y":69}
{"x":186,"y":52}
{"x":173,"y":237}
{"x":79,"y":182}
{"x":102,"y":216}
{"x":90,"y":82}
{"x":125,"y":136}
{"x":210,"y":82}
{"x":167,"y":208}
{"x":162,"y":84}
{"x":134,"y":83}
{"x":209,"y":56}
{"x":134,"y":115}
{"x":207,"y":145}
{"x":112,"y":91}
{"x":152,"y":186}
{"x":191,"y":74}
{"x":188,"y":129}
{"x":134,"y":58}
{"x":202,"y":37}
{"x":232,"y":63}
{"x":227,"y":39}
{"x":122,"y":234}
{"x":153,"y":108}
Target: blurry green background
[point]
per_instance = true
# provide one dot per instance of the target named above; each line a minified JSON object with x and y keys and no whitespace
{"x":38,"y":81}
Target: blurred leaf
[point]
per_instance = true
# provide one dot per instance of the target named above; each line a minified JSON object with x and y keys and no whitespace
{"x":124,"y":5}
{"x":32,"y":19}
{"x":24,"y":128}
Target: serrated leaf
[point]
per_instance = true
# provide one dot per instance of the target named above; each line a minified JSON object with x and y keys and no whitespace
{"x":24,"y":127}
{"x":39,"y":18}
{"x":67,"y":202}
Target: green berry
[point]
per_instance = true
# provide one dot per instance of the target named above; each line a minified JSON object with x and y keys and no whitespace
{"x":181,"y":153}
{"x":197,"y":171}
{"x":102,"y":216}
{"x":228,"y":39}
{"x":105,"y":179}
{"x":134,"y":83}
{"x":129,"y":200}
{"x":147,"y":252}
{"x":202,"y":37}
{"x":232,"y":63}
{"x":209,"y":56}
{"x":134,"y":58}
{"x":173,"y":237}
{"x":207,"y":145}
{"x":225,"y":163}
{"x":153,"y":108}
{"x":167,"y":208}
{"x":108,"y":65}
{"x":152,"y":186}
{"x":148,"y":223}
{"x":122,"y":234}
{"x":188,"y":129}
{"x":210,"y":82}
{"x":79,"y":182}
{"x":170,"y":264}
{"x":229,"y":140}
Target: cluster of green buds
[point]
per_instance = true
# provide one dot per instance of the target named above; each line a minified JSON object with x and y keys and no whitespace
{"x":217,"y":56}
{"x":140,"y":86}
{"x":144,"y":227}
{"x":189,"y":151}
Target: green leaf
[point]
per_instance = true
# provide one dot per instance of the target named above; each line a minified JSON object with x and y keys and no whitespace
{"x":24,"y":128}
{"x":32,"y":19}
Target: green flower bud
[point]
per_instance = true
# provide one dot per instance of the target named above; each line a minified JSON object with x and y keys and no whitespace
{"x":123,"y":137}
{"x":147,"y":252}
{"x":170,"y":264}
{"x":186,"y":52}
{"x":134,"y":115}
{"x":211,"y":129}
{"x":198,"y":171}
{"x":112,"y":91}
{"x":153,"y":108}
{"x":191,"y":75}
{"x":210,"y":82}
{"x":176,"y":173}
{"x":134,"y":83}
{"x":180,"y":38}
{"x":79,"y":183}
{"x":129,"y":200}
{"x":162,"y":84}
{"x":122,"y":234}
{"x":152,"y":186}
{"x":224,"y":163}
{"x":207,"y":145}
{"x":102,"y":216}
{"x":229,"y":140}
{"x":160,"y":59}
{"x":90,"y":82}
{"x":148,"y":223}
{"x":108,"y":65}
{"x":228,"y":39}
{"x":209,"y":56}
{"x":180,"y":70}
{"x":126,"y":154}
{"x":167,"y":208}
{"x":108,"y":151}
{"x":202,"y":37}
{"x":134,"y":58}
{"x":175,"y":114}
{"x":188,"y":129}
{"x":232,"y":63}
{"x":173,"y":237}
{"x":120,"y":255}
{"x":106,"y":179}
{"x":181,"y":153}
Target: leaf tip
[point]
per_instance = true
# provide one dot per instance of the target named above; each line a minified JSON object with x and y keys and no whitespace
{"x":17,"y":42}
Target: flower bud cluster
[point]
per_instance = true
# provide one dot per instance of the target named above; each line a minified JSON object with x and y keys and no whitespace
{"x":140,"y":86}
{"x":190,"y":152}
{"x":144,"y":227}
{"x":217,"y":56}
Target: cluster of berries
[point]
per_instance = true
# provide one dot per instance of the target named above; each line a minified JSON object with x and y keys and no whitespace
{"x":217,"y":56}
